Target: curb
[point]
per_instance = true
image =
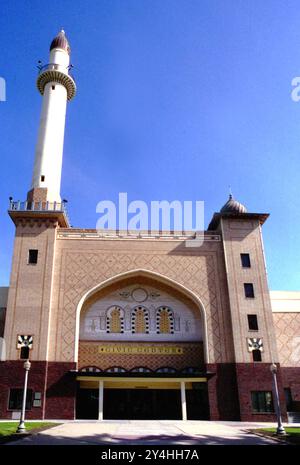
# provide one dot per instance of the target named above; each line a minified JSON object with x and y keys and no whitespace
{"x":275,"y":438}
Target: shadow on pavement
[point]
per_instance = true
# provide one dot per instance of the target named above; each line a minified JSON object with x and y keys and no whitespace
{"x":244,"y":438}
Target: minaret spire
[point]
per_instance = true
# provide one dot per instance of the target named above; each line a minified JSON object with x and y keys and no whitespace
{"x":56,"y":86}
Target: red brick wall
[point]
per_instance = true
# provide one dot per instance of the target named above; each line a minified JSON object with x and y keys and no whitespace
{"x":291,"y":379}
{"x":222,"y":392}
{"x":229,"y":389}
{"x":257,"y":377}
{"x":12,"y":375}
{"x":61,"y":391}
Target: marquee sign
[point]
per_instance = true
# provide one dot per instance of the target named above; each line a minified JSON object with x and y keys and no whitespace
{"x":136,"y":349}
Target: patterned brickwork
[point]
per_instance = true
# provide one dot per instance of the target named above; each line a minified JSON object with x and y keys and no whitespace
{"x":287,"y":329}
{"x":89,"y":356}
{"x":85,"y":270}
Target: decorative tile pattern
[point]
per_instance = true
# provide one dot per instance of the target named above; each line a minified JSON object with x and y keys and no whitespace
{"x":287,"y":329}
{"x":89,"y":356}
{"x":86,"y":270}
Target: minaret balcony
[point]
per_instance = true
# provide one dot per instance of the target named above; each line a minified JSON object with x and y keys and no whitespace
{"x":54,"y":72}
{"x":33,"y":209}
{"x":55,"y":67}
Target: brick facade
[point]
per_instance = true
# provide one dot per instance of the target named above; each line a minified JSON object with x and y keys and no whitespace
{"x":229,"y":389}
{"x":47,"y":300}
{"x":38,"y":194}
{"x":291,"y":380}
{"x":200,"y":282}
{"x":61,"y":391}
{"x":222,"y":392}
{"x":257,"y":377}
{"x":12,"y":376}
{"x":52,"y":380}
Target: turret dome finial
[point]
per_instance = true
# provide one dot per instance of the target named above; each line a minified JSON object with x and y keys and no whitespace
{"x":61,"y":41}
{"x":233,"y":206}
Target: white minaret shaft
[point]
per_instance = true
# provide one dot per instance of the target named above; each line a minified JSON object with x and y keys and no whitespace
{"x":56,"y":86}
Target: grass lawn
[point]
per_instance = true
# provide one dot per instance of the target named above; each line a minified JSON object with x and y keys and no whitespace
{"x":292,"y":434}
{"x":9,"y":427}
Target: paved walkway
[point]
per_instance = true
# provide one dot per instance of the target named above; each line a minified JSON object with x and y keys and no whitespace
{"x":148,"y":432}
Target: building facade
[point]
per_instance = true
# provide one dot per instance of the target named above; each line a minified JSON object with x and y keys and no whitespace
{"x":133,"y":324}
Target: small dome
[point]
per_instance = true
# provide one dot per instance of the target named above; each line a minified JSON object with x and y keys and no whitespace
{"x":233,"y":206}
{"x":60,"y":41}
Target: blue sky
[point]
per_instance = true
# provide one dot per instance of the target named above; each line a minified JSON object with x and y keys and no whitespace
{"x":177,"y":99}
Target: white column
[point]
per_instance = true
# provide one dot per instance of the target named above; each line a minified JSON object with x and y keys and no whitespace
{"x":100,"y":408}
{"x":183,"y":400}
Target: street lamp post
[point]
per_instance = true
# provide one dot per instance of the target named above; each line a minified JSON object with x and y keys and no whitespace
{"x":280,"y":429}
{"x":22,"y":427}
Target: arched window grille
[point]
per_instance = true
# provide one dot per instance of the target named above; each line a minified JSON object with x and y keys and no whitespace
{"x":91,"y":369}
{"x":140,"y":320}
{"x":115,"y":370}
{"x":115,"y":320}
{"x":164,"y":320}
{"x":166,"y":370}
{"x":141,"y":370}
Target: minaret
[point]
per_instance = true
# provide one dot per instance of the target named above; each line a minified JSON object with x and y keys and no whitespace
{"x":56,"y":86}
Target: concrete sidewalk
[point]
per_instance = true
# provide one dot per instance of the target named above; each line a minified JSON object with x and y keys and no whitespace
{"x":133,"y":432}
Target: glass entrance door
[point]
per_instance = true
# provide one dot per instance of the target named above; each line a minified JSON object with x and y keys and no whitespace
{"x":142,"y":404}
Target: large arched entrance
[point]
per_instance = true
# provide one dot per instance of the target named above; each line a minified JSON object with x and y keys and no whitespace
{"x":141,"y":351}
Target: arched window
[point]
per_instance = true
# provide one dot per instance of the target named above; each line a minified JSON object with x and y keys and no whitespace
{"x":90,"y":369}
{"x":140,"y":370}
{"x":166,"y":370}
{"x":115,"y":320}
{"x":164,"y":320}
{"x":115,"y":370}
{"x":140,"y":320}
